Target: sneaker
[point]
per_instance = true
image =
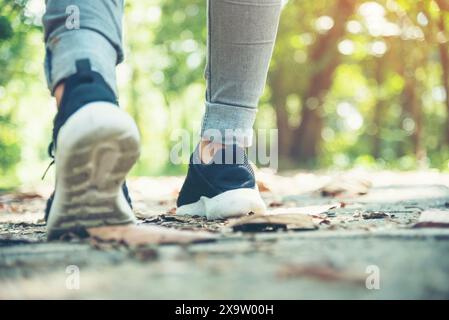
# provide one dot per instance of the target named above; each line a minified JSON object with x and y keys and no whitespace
{"x":225,"y":187}
{"x":95,"y":144}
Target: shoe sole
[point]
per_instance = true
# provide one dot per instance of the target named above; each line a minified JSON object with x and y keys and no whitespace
{"x":96,"y":148}
{"x":228,"y":204}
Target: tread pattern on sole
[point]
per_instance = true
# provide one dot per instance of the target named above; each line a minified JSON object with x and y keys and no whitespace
{"x":91,"y":174}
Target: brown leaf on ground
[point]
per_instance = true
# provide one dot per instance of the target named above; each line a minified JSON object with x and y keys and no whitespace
{"x":318,"y":221}
{"x":433,"y":219}
{"x":145,"y":234}
{"x":320,"y":272}
{"x":275,"y":204}
{"x":294,"y":218}
{"x":19,"y":196}
{"x":342,"y":186}
{"x":308,"y":210}
{"x":260,"y":223}
{"x":144,"y":253}
{"x":140,"y":215}
{"x":374,"y":215}
{"x":171,"y":210}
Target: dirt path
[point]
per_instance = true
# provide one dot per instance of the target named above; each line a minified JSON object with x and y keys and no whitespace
{"x":356,"y":244}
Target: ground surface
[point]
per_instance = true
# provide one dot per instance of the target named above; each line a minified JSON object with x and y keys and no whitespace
{"x":373,"y":234}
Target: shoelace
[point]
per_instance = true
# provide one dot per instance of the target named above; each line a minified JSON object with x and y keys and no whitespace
{"x":51,"y":154}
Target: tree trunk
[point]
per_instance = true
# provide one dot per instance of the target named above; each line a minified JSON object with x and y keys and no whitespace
{"x":306,"y":138}
{"x":444,"y":57}
{"x":413,"y":107}
{"x":279,"y":101}
{"x":377,"y":122}
{"x":134,"y":96}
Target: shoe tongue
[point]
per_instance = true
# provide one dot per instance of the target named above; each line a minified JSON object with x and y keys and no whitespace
{"x":230,"y":154}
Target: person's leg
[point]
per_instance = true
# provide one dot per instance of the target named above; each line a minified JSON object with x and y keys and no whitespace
{"x":241,"y":36}
{"x":240,"y":44}
{"x":77,"y":29}
{"x":95,"y":143}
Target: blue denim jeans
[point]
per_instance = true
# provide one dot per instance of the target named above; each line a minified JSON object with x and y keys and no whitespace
{"x":241,"y":36}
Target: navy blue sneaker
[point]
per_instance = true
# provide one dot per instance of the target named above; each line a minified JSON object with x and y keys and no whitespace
{"x":225,"y":187}
{"x":94,"y":146}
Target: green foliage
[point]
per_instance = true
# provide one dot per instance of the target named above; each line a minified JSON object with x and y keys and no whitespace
{"x":13,"y":33}
{"x":9,"y":148}
{"x":376,"y":90}
{"x":5,"y":29}
{"x":181,"y":37}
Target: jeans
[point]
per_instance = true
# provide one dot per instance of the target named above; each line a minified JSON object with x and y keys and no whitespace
{"x":241,"y":36}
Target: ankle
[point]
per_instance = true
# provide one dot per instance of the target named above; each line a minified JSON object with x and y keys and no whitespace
{"x":59,"y":92}
{"x":208,"y":149}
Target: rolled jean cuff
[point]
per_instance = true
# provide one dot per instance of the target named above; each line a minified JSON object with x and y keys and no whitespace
{"x":228,"y":124}
{"x":65,"y":49}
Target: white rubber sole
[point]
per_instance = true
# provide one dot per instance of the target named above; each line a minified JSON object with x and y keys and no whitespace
{"x":228,"y":204}
{"x":96,"y":148}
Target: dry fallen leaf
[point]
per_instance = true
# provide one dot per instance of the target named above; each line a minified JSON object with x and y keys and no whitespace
{"x":275,"y":204}
{"x":321,"y":272}
{"x":294,"y":218}
{"x":19,"y":196}
{"x":258,"y":223}
{"x":172,"y":211}
{"x":144,"y":253}
{"x":348,"y":186}
{"x":357,"y":214}
{"x":145,"y":234}
{"x":374,"y":215}
{"x":308,"y":210}
{"x":318,"y":221}
{"x":433,"y":219}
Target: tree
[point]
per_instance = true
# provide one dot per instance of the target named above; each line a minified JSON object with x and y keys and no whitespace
{"x":301,"y":142}
{"x":443,"y":49}
{"x":13,"y":35}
